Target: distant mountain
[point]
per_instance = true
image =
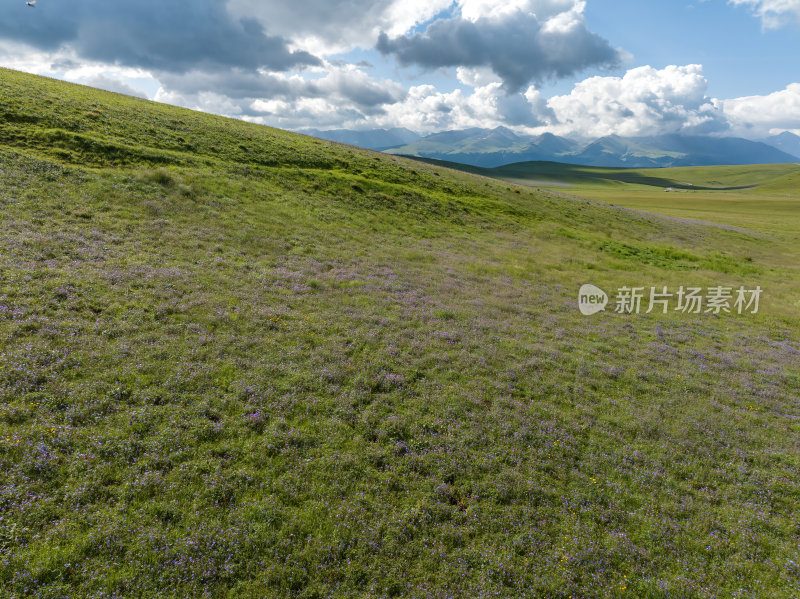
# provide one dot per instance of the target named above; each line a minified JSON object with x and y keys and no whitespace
{"x":496,"y":147}
{"x":499,"y":146}
{"x":619,"y":151}
{"x":786,"y":142}
{"x":677,"y":150}
{"x":488,"y":147}
{"x":374,"y":139}
{"x":720,"y":150}
{"x":555,"y":145}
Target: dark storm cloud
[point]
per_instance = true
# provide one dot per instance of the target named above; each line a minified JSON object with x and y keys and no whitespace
{"x":516,"y":48}
{"x":159,"y":35}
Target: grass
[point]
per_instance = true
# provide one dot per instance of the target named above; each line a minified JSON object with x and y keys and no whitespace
{"x":238,"y":362}
{"x":761,"y":197}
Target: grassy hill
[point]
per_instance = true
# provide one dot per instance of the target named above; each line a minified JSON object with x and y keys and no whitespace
{"x":760,"y":197}
{"x":240,"y":362}
{"x":554,"y":174}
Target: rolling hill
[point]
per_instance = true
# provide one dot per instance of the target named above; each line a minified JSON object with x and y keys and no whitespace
{"x":241,"y":362}
{"x":762,"y":197}
{"x":716,"y":178}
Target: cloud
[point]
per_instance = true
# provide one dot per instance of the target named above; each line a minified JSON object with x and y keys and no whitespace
{"x":343,"y":94}
{"x":426,"y":110}
{"x":243,"y":57}
{"x":339,"y":83}
{"x":359,"y":88}
{"x":545,"y":10}
{"x":230,"y":67}
{"x":340,"y":101}
{"x":115,"y":85}
{"x":476,"y":76}
{"x":152,"y":34}
{"x":759,"y":116}
{"x":234,"y":83}
{"x":520,"y":42}
{"x":773,"y":13}
{"x":65,"y":65}
{"x":325,"y":27}
{"x":645,"y":101}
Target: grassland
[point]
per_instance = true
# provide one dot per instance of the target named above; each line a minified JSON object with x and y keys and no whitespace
{"x":238,"y":362}
{"x":763,"y":197}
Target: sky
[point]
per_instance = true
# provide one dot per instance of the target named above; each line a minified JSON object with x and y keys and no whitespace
{"x":571,"y":67}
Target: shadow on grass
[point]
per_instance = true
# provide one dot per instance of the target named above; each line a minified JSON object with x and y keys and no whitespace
{"x":542,"y":171}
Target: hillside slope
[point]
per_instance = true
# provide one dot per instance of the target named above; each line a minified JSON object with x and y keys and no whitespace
{"x":762,"y":198}
{"x":240,"y":362}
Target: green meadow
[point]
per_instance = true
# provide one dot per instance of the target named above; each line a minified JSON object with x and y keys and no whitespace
{"x":763,"y":197}
{"x":240,"y":362}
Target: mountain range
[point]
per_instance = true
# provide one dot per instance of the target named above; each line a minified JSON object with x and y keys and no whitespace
{"x":787,"y":142}
{"x":500,"y":146}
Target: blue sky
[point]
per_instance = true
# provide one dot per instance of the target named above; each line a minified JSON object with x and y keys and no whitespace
{"x":739,"y":56}
{"x":667,"y":32}
{"x":573,"y":67}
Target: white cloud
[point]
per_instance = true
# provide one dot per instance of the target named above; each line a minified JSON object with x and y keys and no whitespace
{"x":211,"y":102}
{"x":423,"y":109}
{"x":271,"y":106}
{"x":427,"y":110}
{"x":539,"y":107}
{"x":115,"y":85}
{"x":325,"y":27}
{"x":645,"y":101}
{"x":343,"y":83}
{"x":773,"y":13}
{"x":342,"y":95}
{"x":543,"y":10}
{"x":22,"y":57}
{"x":521,"y":41}
{"x":402,"y":15}
{"x":66,"y":65}
{"x":476,"y":76}
{"x":758,"y":116}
